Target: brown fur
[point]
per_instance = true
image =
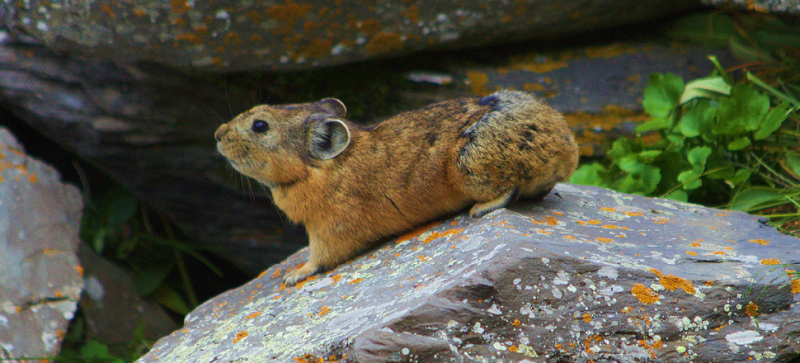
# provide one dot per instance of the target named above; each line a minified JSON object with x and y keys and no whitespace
{"x":412,"y":168}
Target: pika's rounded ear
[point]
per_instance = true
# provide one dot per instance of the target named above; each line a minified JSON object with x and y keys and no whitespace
{"x":327,"y":139}
{"x":332,"y":107}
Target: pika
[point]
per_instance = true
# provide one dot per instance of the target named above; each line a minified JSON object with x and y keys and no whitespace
{"x":351,"y":185}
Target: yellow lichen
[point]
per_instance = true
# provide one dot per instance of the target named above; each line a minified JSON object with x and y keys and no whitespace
{"x":760,"y":241}
{"x":770,"y":261}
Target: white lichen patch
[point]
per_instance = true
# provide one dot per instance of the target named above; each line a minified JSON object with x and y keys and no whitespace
{"x":744,"y":337}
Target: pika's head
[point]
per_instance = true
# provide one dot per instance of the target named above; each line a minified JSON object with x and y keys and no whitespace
{"x":276,"y":145}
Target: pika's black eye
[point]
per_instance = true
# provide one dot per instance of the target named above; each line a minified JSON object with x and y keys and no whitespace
{"x":260,"y":126}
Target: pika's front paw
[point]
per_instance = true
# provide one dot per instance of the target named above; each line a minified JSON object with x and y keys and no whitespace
{"x":300,"y":274}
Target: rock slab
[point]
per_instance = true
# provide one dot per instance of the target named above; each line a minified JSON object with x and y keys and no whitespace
{"x":232,"y":35}
{"x":40,"y":276}
{"x":585,"y":275}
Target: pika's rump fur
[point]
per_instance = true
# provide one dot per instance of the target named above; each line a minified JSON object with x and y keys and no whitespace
{"x":351,"y":185}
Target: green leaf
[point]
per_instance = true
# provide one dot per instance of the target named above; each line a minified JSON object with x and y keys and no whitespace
{"x":709,"y":29}
{"x":94,"y":350}
{"x":697,"y":120}
{"x":690,"y":179}
{"x":749,"y":199}
{"x":678,"y":194}
{"x":739,"y":143}
{"x":654,"y":124}
{"x":677,"y":140}
{"x":592,"y":174}
{"x":620,"y":148}
{"x":697,"y":157}
{"x":648,"y":156}
{"x":742,"y":112}
{"x":118,"y":207}
{"x":643,"y":182}
{"x":148,"y":280}
{"x":747,"y":53}
{"x":630,"y":164}
{"x":709,"y":87}
{"x":170,"y":298}
{"x":792,"y":164}
{"x":662,"y":94}
{"x":773,"y":121}
{"x":741,"y":176}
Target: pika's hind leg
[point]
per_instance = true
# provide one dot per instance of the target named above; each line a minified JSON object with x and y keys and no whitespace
{"x":538,"y":192}
{"x":481,"y":209}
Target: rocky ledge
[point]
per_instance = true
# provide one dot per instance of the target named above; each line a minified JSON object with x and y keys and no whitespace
{"x":586,"y":275}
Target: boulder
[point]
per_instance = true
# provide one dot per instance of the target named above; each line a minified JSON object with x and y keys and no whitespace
{"x":152,"y":128}
{"x":40,"y":276}
{"x":586,"y":275}
{"x":762,"y":6}
{"x":230,"y":35}
{"x":111,"y":306}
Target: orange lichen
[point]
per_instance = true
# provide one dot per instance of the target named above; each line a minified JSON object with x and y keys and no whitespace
{"x":593,"y":221}
{"x":336,"y":278}
{"x":609,"y":226}
{"x":384,"y":42}
{"x":796,"y":286}
{"x":240,"y":335}
{"x":422,"y":258}
{"x":253,"y":315}
{"x":551,"y":221}
{"x":751,"y":310}
{"x":694,"y":244}
{"x":672,"y":282}
{"x":513,"y":349}
{"x":633,"y":214}
{"x":516,"y":323}
{"x":604,"y":239}
{"x":179,"y":6}
{"x":541,"y":231}
{"x":530,"y":87}
{"x":355,"y":281}
{"x":660,"y":220}
{"x":608,"y":209}
{"x":324,"y":310}
{"x":710,"y":283}
{"x":416,"y":232}
{"x":770,"y":261}
{"x":569,"y":237}
{"x":718,"y":252}
{"x":79,"y":269}
{"x":107,"y":9}
{"x":645,"y":294}
{"x":587,"y":318}
{"x":437,"y":235}
{"x":189,"y":37}
{"x":275,"y":274}
{"x":477,"y":83}
{"x":288,"y":13}
{"x":691,"y":253}
{"x":318,"y":48}
{"x":760,"y":241}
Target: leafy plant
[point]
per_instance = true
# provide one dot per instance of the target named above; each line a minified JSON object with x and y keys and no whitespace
{"x":721,"y":144}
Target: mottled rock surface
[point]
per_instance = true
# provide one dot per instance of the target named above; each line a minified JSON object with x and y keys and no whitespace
{"x":152,"y":129}
{"x":586,"y":275}
{"x":40,"y":277}
{"x":111,"y":306}
{"x":762,"y":6}
{"x":228,"y":35}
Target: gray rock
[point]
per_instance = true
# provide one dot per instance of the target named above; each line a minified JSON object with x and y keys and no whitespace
{"x":586,"y":275}
{"x":762,"y":6}
{"x":229,"y":35}
{"x":40,"y":276}
{"x":112,"y":307}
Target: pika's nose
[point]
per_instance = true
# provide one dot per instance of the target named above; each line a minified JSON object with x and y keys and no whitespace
{"x":221,"y":131}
